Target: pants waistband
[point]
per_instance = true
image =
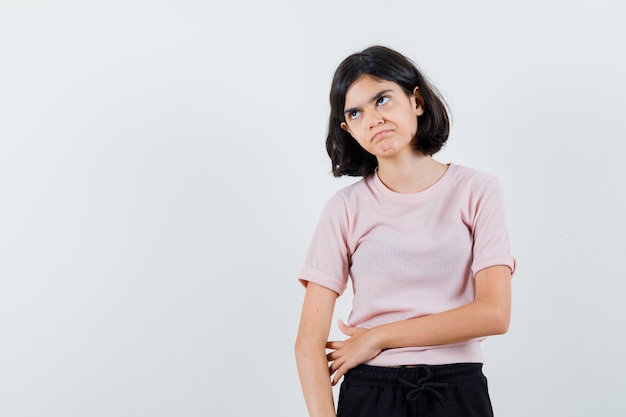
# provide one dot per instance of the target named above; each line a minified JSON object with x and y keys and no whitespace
{"x":394,"y":377}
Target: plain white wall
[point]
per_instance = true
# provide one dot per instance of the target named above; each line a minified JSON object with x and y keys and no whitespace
{"x":162,"y":168}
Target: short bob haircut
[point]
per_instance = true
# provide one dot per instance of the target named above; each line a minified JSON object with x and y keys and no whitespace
{"x":347,"y":156}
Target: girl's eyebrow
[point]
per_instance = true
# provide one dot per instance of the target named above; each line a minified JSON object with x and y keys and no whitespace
{"x":374,"y":98}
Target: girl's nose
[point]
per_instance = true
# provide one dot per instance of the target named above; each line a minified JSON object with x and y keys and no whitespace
{"x":374,"y":119}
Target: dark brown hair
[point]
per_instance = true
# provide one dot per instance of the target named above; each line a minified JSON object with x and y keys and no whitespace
{"x":347,"y":156}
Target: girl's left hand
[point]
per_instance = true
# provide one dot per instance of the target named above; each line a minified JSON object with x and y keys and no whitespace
{"x":360,"y":347}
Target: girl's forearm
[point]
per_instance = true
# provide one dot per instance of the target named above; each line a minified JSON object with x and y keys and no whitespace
{"x":464,"y":323}
{"x":317,"y":312}
{"x":315,"y":381}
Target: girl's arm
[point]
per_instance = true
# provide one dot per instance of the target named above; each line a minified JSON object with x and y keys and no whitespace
{"x":310,"y":349}
{"x":488,"y":314}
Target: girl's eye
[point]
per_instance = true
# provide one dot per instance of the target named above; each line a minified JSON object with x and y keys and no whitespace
{"x":382,"y":100}
{"x":354,"y":114}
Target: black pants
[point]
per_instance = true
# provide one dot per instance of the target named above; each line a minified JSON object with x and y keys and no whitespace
{"x":456,"y":390}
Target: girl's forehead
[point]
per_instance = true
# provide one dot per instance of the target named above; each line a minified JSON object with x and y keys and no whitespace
{"x":367,"y":79}
{"x":366,"y":85}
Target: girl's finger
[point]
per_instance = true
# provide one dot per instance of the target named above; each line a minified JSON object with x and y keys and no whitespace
{"x":345,"y":329}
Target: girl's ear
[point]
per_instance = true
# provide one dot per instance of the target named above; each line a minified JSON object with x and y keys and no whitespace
{"x":419,"y":101}
{"x":345,"y":127}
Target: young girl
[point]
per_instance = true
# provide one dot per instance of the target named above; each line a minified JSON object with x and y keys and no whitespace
{"x":425,"y":245}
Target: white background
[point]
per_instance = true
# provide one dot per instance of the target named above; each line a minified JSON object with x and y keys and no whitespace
{"x":162,"y":168}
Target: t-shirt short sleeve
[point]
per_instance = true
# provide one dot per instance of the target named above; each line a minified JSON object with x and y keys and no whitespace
{"x":327,"y":259}
{"x":491,"y":237}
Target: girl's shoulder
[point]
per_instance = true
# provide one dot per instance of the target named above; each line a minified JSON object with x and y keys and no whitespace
{"x":360,"y":187}
{"x":472,"y":177}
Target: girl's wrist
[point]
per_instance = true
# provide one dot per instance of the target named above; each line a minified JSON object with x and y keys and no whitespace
{"x":380,"y":337}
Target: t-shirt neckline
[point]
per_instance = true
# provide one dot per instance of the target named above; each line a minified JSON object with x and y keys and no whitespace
{"x":413,"y":198}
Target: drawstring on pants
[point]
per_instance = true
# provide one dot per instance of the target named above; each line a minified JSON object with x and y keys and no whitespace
{"x":423,"y":384}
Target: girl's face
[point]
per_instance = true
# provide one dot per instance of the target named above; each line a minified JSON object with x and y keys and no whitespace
{"x":381,"y":117}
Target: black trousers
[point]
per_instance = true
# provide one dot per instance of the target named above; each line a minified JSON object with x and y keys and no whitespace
{"x":456,"y":390}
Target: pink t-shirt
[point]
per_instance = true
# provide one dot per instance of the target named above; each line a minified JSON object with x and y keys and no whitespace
{"x":410,"y":255}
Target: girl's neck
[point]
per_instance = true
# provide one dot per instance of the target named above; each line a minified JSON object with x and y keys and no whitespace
{"x":410,"y":175}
